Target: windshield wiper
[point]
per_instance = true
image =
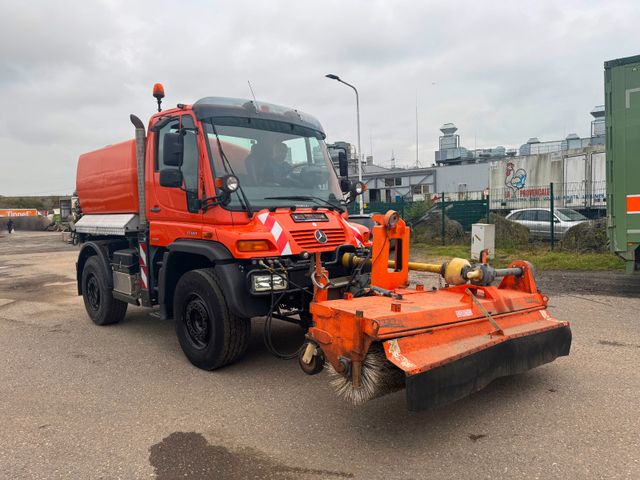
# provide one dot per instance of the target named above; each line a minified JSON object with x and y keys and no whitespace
{"x":227,"y":165}
{"x":307,"y":198}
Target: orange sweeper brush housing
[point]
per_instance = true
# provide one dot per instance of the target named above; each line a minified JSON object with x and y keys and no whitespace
{"x":440,"y":344}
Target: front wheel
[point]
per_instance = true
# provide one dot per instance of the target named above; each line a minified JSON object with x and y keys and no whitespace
{"x":210,"y":336}
{"x":98,"y":300}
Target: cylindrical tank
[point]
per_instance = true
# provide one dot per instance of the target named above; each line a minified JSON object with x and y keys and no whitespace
{"x":106,"y":180}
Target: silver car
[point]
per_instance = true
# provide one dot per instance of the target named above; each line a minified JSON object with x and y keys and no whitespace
{"x":538,"y":221}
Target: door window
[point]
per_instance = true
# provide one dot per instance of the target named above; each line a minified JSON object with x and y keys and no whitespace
{"x":543,"y":216}
{"x":190,"y":158}
{"x":527,"y":216}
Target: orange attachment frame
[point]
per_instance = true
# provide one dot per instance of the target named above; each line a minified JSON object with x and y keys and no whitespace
{"x":505,"y":329}
{"x":390,"y":237}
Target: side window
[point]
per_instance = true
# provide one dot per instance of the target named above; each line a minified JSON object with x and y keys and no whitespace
{"x":516,"y":216}
{"x":543,"y":216}
{"x":190,"y":158}
{"x":171,"y":127}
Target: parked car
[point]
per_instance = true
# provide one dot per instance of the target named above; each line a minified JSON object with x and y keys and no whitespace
{"x":364,"y":219}
{"x":538,"y":221}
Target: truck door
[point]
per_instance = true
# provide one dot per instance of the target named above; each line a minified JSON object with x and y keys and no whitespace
{"x":174,"y":212}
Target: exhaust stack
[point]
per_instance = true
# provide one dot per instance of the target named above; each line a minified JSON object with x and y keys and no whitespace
{"x":140,"y":154}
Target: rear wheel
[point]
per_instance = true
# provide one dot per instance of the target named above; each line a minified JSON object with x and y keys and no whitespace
{"x":98,"y":300}
{"x":210,"y":336}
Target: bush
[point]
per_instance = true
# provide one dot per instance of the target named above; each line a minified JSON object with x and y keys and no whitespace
{"x":429,"y":230}
{"x":587,"y":237}
{"x":508,"y":234}
{"x":416,"y":210}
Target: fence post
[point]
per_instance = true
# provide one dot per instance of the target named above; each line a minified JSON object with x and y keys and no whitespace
{"x":442,"y":215}
{"x":488,"y":207}
{"x":552,"y":226}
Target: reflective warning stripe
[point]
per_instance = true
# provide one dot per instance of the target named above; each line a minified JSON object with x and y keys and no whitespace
{"x":356,"y":233}
{"x":633,"y":203}
{"x":143,"y":266}
{"x":276,"y":230}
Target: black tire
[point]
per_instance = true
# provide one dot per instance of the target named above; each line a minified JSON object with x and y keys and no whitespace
{"x":98,"y":300}
{"x":210,"y":336}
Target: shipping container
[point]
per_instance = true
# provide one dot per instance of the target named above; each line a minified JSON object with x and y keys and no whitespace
{"x":622,"y":123}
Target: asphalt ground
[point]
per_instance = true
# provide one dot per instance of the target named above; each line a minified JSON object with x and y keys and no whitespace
{"x":81,"y":401}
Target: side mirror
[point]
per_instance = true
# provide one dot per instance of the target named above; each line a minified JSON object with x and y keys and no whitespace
{"x":343,"y":164}
{"x":171,"y":178}
{"x":345,"y":185}
{"x":173,"y":149}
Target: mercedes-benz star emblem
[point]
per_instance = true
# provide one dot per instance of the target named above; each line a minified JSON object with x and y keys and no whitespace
{"x":321,"y":236}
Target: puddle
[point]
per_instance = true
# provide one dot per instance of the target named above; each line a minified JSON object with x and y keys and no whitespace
{"x":188,"y":455}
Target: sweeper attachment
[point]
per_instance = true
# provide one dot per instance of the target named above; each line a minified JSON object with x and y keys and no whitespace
{"x":380,"y":335}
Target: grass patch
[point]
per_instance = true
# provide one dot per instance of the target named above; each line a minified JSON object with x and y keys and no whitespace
{"x":540,"y":255}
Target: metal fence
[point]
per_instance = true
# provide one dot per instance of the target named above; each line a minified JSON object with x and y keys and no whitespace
{"x":467,"y":208}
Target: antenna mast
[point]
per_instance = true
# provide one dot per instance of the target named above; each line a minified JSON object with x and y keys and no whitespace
{"x":252,"y":94}
{"x":417,"y":156}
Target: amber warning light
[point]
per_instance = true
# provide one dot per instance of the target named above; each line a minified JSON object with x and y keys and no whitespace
{"x":158,"y":93}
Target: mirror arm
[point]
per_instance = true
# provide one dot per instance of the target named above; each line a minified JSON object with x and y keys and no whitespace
{"x":209,"y":202}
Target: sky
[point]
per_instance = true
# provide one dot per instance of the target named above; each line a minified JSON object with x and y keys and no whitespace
{"x":71,"y":72}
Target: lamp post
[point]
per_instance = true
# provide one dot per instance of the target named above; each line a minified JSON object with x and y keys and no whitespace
{"x":337,"y":78}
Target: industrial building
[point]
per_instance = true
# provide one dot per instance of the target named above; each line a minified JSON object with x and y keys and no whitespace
{"x":459,"y":170}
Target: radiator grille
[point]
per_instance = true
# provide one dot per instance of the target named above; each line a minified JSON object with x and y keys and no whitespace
{"x":306,"y":238}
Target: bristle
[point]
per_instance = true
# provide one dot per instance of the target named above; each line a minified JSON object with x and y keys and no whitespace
{"x":379,"y":377}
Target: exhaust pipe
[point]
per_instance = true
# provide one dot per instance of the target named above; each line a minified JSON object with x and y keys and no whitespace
{"x":140,"y":154}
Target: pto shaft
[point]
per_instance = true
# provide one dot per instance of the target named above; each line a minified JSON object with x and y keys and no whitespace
{"x":456,"y":271}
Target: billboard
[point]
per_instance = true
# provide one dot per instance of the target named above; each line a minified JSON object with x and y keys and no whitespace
{"x":523,"y":182}
{"x":18,"y":212}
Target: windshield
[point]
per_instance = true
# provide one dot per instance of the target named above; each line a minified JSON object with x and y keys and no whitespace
{"x":273,"y":159}
{"x":568,"y":215}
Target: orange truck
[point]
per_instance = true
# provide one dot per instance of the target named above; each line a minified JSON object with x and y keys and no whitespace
{"x":228,"y":209}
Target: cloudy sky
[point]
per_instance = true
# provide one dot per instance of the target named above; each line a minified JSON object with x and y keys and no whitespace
{"x":72,"y":71}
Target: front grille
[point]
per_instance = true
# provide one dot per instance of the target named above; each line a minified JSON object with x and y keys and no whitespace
{"x":307,"y":241}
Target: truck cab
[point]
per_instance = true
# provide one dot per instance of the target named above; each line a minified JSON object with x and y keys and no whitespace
{"x":216,"y":214}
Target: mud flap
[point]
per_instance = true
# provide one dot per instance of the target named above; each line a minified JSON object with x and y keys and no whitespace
{"x":455,"y":380}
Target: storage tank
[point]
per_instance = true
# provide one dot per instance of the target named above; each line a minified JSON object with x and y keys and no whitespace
{"x":106,"y":180}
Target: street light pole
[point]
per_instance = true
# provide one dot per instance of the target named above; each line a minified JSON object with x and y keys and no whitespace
{"x":359,"y":154}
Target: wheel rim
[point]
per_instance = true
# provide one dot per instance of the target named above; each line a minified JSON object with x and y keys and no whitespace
{"x":93,"y":292}
{"x":196,"y":319}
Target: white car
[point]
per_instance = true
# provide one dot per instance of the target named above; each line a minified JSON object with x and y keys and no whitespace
{"x":538,"y":221}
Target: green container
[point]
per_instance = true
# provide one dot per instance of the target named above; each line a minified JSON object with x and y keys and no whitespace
{"x":622,"y":120}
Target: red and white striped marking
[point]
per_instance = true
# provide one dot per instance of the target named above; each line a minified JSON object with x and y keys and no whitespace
{"x":276,"y":230}
{"x":356,"y":233}
{"x":143,"y":266}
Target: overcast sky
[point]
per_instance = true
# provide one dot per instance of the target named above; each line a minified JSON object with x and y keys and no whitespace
{"x":71,"y":72}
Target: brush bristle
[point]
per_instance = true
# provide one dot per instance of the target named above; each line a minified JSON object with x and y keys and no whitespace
{"x":379,"y":377}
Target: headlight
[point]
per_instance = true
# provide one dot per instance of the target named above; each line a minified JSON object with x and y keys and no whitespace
{"x":230,"y":183}
{"x":261,"y":282}
{"x":358,"y":188}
